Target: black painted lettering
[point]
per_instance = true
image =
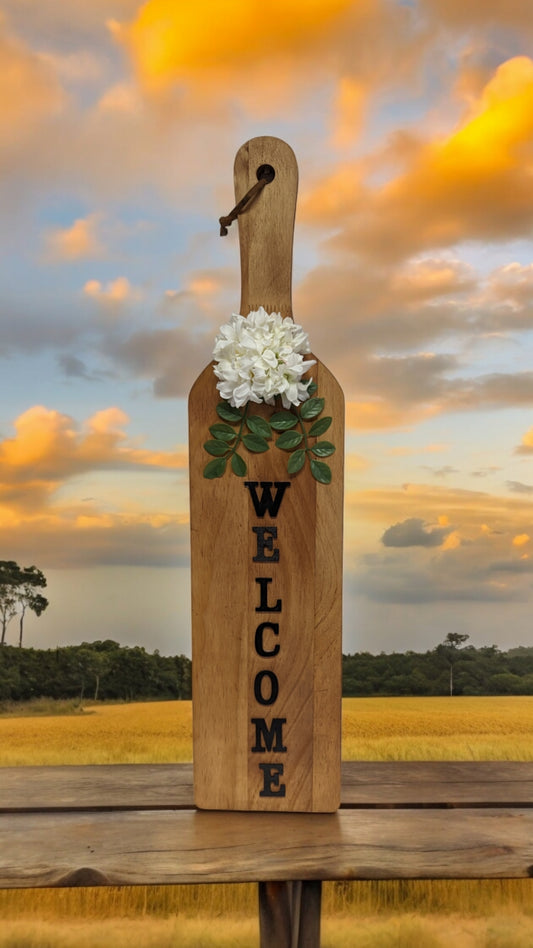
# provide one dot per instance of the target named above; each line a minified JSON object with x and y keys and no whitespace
{"x":263,"y":600}
{"x":265,"y":543}
{"x":268,"y":738}
{"x":267,"y":503}
{"x":258,"y":687}
{"x":259,"y":643}
{"x":271,"y":784}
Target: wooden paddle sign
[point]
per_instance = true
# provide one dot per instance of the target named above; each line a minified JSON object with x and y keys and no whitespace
{"x":266,"y":501}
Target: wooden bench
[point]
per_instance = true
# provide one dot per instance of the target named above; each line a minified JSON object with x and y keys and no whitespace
{"x":136,"y":824}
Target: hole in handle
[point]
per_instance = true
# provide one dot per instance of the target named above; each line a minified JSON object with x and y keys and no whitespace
{"x":266,"y":171}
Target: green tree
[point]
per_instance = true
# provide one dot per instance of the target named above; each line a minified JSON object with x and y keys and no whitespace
{"x":18,"y":593}
{"x":9,"y":570}
{"x":450,"y":650}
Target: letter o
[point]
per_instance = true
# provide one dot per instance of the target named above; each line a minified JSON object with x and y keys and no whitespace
{"x":258,"y":687}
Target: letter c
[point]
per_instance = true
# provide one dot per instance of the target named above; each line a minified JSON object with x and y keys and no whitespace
{"x":259,"y":644}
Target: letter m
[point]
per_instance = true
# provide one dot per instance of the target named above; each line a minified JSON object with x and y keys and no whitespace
{"x":267,"y":502}
{"x":268,"y":738}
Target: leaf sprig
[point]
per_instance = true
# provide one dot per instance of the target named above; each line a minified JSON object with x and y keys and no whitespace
{"x":296,"y":430}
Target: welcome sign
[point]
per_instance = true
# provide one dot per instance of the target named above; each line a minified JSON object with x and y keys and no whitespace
{"x":266,"y":493}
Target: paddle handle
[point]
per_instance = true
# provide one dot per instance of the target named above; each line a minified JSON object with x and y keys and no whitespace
{"x":266,"y":228}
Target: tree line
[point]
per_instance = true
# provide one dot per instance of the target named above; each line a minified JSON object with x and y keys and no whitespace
{"x":101,"y":671}
{"x":106,"y":671}
{"x":448,"y":669}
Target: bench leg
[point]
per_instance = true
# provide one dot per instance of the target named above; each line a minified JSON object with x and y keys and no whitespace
{"x":289,"y":914}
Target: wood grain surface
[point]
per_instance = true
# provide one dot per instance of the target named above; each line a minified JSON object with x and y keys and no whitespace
{"x":117,"y":825}
{"x":365,"y":784}
{"x":291,"y":587}
{"x":266,"y":230}
{"x":161,"y":847}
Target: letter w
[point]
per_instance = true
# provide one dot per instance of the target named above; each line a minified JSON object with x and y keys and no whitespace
{"x":271,"y":736}
{"x":267,"y":502}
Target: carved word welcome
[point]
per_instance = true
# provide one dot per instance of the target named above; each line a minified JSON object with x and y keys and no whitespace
{"x":268,"y":737}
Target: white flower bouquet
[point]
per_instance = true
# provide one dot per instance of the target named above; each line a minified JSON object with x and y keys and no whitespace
{"x":260,"y":358}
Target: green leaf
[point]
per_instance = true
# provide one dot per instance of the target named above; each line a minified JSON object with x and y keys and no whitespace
{"x":296,"y":461}
{"x":222,"y":432}
{"x":215,"y":468}
{"x":228,"y":413}
{"x":312,"y":408}
{"x":216,"y":448}
{"x":323,"y":449}
{"x":312,"y":388}
{"x":259,"y":426}
{"x":321,"y":472}
{"x":283,"y":420}
{"x":289,"y":440}
{"x":255,"y":443}
{"x":320,"y":426}
{"x":238,"y":465}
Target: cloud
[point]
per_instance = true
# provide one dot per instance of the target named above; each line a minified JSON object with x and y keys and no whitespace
{"x":380,"y":413}
{"x":441,"y":472}
{"x":512,"y":284}
{"x":203,"y":294}
{"x":476,"y":513}
{"x":114,"y":293}
{"x":521,"y":539}
{"x":392,"y":582}
{"x":494,"y":390}
{"x":526,"y":447}
{"x":49,"y":450}
{"x":77,"y":242}
{"x":29,"y":90}
{"x":172,"y":358}
{"x":78,"y":25}
{"x":473,"y":184}
{"x":516,"y":487}
{"x":389,"y":322}
{"x":66,"y":541}
{"x":186,"y":70}
{"x":480,"y":14}
{"x":349,"y":109}
{"x":73,"y":367}
{"x":429,"y":560}
{"x":268,"y":62}
{"x":397,"y":308}
{"x":169,"y":42}
{"x":414,"y":532}
{"x":68,"y":120}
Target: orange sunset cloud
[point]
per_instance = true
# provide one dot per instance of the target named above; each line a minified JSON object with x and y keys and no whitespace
{"x":447,"y":192}
{"x":29,"y":89}
{"x":50,"y":448}
{"x":79,"y":241}
{"x":170,"y":40}
{"x":113,"y":293}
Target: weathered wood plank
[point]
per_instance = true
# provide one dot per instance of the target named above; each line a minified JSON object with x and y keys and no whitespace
{"x":160,"y":847}
{"x":96,"y":787}
{"x":364,"y":784}
{"x":437,"y":783}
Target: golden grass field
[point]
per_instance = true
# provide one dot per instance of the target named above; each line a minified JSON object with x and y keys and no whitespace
{"x":398,"y":914}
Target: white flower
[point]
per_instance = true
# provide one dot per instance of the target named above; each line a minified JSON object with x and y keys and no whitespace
{"x":260,"y":356}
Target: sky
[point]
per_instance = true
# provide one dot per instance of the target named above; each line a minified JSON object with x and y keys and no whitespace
{"x":412,"y":125}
